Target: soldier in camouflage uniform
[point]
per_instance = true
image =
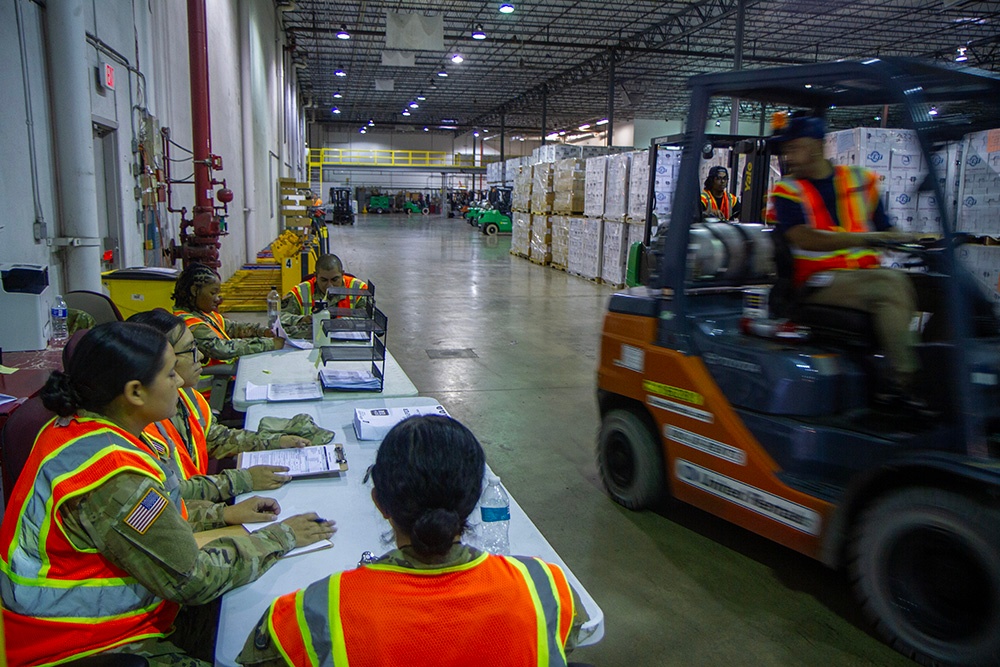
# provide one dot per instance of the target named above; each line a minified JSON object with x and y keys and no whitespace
{"x":95,"y":518}
{"x":196,"y":299}
{"x":427,"y":479}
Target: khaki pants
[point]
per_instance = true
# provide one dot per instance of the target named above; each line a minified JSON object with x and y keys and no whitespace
{"x":886,"y":294}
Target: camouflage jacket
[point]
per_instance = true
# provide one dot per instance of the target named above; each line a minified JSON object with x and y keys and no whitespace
{"x":260,"y":650}
{"x":165,"y":558}
{"x":294,"y":322}
{"x":245,"y":338}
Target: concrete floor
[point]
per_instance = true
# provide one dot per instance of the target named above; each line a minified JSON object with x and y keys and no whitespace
{"x":678,"y":586}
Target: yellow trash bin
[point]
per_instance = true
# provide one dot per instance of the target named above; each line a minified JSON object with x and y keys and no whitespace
{"x":141,"y":288}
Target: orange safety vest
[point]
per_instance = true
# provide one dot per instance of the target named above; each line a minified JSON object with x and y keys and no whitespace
{"x":62,"y":602}
{"x":728,"y":203}
{"x":493,"y":611}
{"x":304,"y":293}
{"x":191,"y":456}
{"x":857,"y":195}
{"x":214,"y":322}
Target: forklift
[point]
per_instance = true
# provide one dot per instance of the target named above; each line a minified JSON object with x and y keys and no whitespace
{"x":339,"y":210}
{"x":774,"y":428}
{"x":379,"y":204}
{"x":495,"y":219}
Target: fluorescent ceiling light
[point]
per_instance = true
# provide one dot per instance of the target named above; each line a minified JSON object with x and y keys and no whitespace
{"x":406,"y":112}
{"x":371,"y":123}
{"x":933,"y":111}
{"x":420,"y":96}
{"x":448,"y":127}
{"x":603,"y":121}
{"x":478,"y":33}
{"x":475,"y":134}
{"x":364,"y":131}
{"x":335,"y":110}
{"x":443,"y":73}
{"x":585,"y":126}
{"x":342,"y":33}
{"x":960,"y":55}
{"x":414,"y":105}
{"x":426,"y":130}
{"x":339,"y":72}
{"x":337,"y":95}
{"x":553,"y":136}
{"x":562,"y":133}
{"x":506,"y":7}
{"x":457,"y":58}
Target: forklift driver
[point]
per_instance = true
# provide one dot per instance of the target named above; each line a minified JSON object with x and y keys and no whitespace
{"x":831,"y":218}
{"x":716,"y":202}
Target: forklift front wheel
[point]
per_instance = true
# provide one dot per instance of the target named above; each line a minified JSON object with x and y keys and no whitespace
{"x":926,"y":570}
{"x":630,"y":460}
{"x":378,"y":210}
{"x":491,"y":229}
{"x":425,"y":211}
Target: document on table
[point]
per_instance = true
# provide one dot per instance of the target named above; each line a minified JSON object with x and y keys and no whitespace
{"x":348,"y":380}
{"x":291,"y":391}
{"x":302,"y":462}
{"x":349,"y":335}
{"x":279,"y":332}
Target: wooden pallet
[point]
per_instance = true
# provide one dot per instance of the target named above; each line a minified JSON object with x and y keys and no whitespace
{"x":518,"y":254}
{"x":558,"y":267}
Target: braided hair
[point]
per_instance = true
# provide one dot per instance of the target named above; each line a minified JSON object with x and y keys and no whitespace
{"x":194,"y":275}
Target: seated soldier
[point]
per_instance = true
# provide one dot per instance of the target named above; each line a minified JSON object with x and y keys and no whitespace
{"x":297,"y":306}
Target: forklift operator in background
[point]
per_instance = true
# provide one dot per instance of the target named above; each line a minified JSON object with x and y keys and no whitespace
{"x":716,"y":202}
{"x":832,"y":218}
{"x":296,"y":307}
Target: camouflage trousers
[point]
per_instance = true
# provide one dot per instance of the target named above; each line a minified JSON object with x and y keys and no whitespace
{"x":191,"y":644}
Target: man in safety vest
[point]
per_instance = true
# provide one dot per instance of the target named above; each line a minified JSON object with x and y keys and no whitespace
{"x":716,"y":202}
{"x":296,"y":307}
{"x":832,"y":218}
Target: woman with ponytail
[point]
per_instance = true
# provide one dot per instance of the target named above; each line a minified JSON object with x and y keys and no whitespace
{"x":95,"y":551}
{"x":432,"y":601}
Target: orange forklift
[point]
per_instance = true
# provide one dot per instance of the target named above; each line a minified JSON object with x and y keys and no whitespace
{"x":770,"y":423}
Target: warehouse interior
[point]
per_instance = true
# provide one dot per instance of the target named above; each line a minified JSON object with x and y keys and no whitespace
{"x":156,"y":134}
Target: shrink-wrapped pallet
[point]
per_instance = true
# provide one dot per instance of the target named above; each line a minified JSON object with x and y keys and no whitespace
{"x":596,"y":179}
{"x":541,"y":239}
{"x":560,"y":240}
{"x":520,"y":239}
{"x":542,"y":194}
{"x":616,"y":186}
{"x":586,"y":246}
{"x":521,"y":196}
{"x":979,"y":194}
{"x":615,"y":252}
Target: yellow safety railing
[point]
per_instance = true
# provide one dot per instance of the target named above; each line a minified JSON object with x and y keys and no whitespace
{"x":375,"y":157}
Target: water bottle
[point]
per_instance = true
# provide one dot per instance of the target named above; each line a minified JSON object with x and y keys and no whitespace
{"x":59,"y":315}
{"x":273,"y":306}
{"x":494,"y":509}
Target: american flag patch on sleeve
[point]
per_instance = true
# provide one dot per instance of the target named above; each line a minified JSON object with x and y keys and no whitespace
{"x":146,"y":512}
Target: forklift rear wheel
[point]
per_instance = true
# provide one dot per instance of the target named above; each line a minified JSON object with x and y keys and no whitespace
{"x":630,"y":460}
{"x":378,"y":210}
{"x":926,"y":569}
{"x":425,"y":211}
{"x":491,"y":229}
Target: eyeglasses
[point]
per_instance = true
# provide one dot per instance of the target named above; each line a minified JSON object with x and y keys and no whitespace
{"x":721,"y":177}
{"x":193,"y":351}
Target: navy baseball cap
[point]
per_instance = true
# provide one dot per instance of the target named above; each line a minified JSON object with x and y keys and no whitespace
{"x":796,"y":126}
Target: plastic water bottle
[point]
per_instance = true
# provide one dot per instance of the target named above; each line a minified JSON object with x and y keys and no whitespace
{"x":494,"y":508}
{"x":59,"y":315}
{"x":273,"y":306}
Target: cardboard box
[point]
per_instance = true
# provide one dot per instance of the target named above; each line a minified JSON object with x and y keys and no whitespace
{"x":375,"y":423}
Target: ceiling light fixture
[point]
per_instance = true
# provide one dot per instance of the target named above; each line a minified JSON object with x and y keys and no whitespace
{"x":562,"y":133}
{"x":337,"y":95}
{"x":406,"y":112}
{"x":585,"y":126}
{"x":476,"y":134}
{"x":339,"y":72}
{"x":933,"y":111}
{"x":371,"y":123}
{"x":364,"y":131}
{"x":603,"y":121}
{"x":506,"y":7}
{"x":334,"y":110}
{"x":426,"y":130}
{"x":809,"y":85}
{"x":414,"y":105}
{"x":443,"y":73}
{"x":457,"y":58}
{"x":420,"y":96}
{"x":553,"y":136}
{"x":342,"y":33}
{"x":478,"y":33}
{"x":960,"y":54}
{"x":718,"y":123}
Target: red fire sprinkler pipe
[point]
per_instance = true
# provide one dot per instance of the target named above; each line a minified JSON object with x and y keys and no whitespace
{"x":200,"y":234}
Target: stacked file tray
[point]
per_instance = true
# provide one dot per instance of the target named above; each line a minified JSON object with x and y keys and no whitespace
{"x":358,"y":334}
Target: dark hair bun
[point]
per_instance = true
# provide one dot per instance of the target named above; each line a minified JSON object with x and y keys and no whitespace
{"x":434,"y":531}
{"x":59,"y":396}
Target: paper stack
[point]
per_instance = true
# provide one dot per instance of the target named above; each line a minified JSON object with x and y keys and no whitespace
{"x":349,"y":380}
{"x":375,"y":423}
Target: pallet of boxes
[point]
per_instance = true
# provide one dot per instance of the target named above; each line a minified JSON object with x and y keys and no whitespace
{"x":978,"y":208}
{"x":616,"y":227}
{"x":520,"y":239}
{"x":586,"y":232}
{"x":568,"y":181}
{"x":542,"y":196}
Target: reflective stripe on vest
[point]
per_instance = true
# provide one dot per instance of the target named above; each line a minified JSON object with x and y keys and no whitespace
{"x":330,"y":623}
{"x":728,"y":203}
{"x":303,"y":293}
{"x":52,"y":591}
{"x":216,"y":324}
{"x":857,"y":199}
{"x":191,"y":457}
